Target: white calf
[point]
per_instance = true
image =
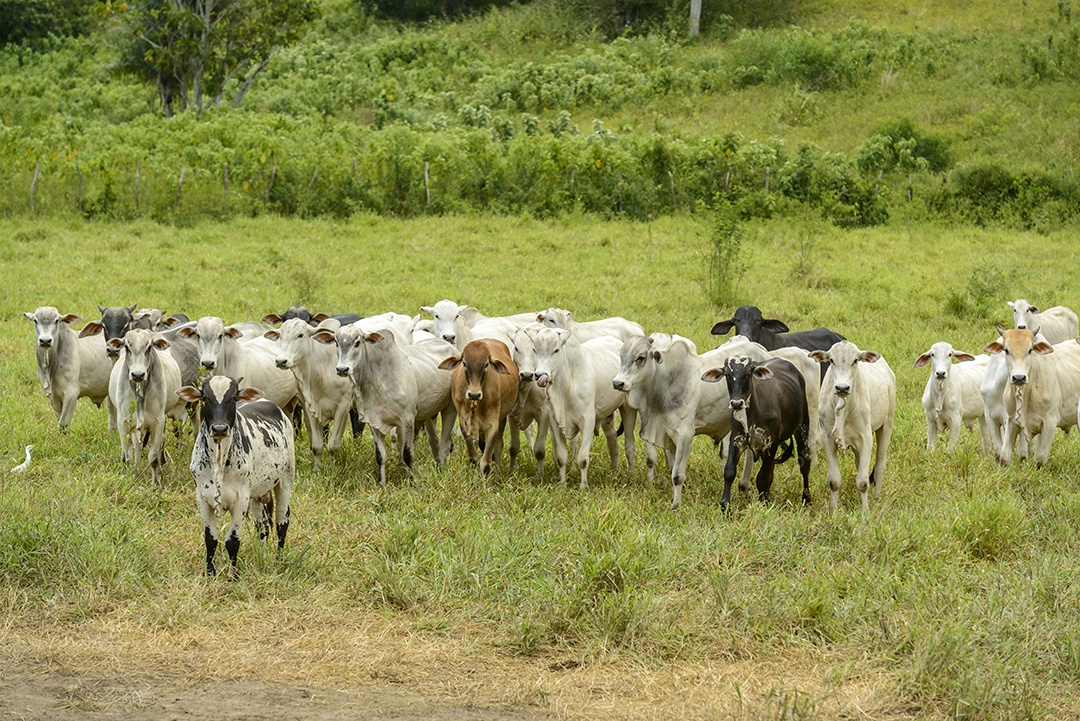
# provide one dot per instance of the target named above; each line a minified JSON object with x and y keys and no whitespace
{"x":858,"y":402}
{"x":614,"y":327}
{"x":1057,"y":324}
{"x":952,"y":397}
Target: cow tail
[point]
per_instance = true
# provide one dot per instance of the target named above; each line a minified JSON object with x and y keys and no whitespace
{"x":787,"y":449}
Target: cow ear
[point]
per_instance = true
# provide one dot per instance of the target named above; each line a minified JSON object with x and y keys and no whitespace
{"x":762,"y":373}
{"x":1000,"y":330}
{"x":821,"y":356}
{"x":427,"y":309}
{"x":774,"y":326}
{"x":450,"y":363}
{"x":171,"y":321}
{"x":922,"y":360}
{"x":272,"y":335}
{"x":318,"y":318}
{"x":132,"y":307}
{"x":500,"y":367}
{"x":91,"y":328}
{"x":994,"y":347}
{"x":469,"y":314}
{"x":272,"y":318}
{"x":160,"y":343}
{"x":186,"y":332}
{"x":70,"y":318}
{"x":233,"y":332}
{"x":374,"y":337}
{"x":1012,"y":305}
{"x":189,"y":394}
{"x":30,"y":317}
{"x":249,"y":395}
{"x":1032,"y":309}
{"x":115,"y":343}
{"x":1042,"y":348}
{"x":869,"y":356}
{"x":723,"y":327}
{"x":712,"y":375}
{"x":658,"y":357}
{"x":962,"y":357}
{"x":325,"y":336}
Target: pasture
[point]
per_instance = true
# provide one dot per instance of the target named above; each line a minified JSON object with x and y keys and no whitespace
{"x":957,"y":596}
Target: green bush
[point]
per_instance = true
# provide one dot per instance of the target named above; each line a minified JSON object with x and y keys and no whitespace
{"x":898,"y":144}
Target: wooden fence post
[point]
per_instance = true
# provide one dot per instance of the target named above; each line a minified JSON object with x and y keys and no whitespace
{"x":225,"y":181}
{"x":180,"y":187}
{"x":33,"y":185}
{"x":80,"y":198}
{"x":766,"y":179}
{"x":135,"y":192}
{"x":671,"y":180}
{"x":427,"y":181}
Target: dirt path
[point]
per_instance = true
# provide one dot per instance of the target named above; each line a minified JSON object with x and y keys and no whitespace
{"x":41,"y":694}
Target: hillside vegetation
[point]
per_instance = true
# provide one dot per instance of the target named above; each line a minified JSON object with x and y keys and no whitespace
{"x":860,"y":112}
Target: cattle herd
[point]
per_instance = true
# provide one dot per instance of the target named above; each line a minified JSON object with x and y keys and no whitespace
{"x":767,"y":390}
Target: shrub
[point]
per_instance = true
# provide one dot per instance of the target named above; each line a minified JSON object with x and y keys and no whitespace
{"x":898,"y":144}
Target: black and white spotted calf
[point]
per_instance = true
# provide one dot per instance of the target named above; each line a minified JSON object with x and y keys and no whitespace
{"x":243,"y":455}
{"x":768,"y":406}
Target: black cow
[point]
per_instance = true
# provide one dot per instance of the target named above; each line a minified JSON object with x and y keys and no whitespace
{"x":773,"y":333}
{"x":299,"y":311}
{"x":768,"y":406}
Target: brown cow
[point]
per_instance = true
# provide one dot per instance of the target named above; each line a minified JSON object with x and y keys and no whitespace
{"x":484,"y":400}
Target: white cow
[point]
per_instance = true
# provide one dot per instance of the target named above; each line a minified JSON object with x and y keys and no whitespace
{"x":142,"y":388}
{"x":460,"y":324}
{"x":532,"y":404}
{"x":253,"y":362}
{"x":858,"y":402}
{"x":395,"y":387}
{"x":243,"y":454}
{"x":952,"y":397}
{"x":327,"y":397}
{"x":1057,"y":324}
{"x":577,"y":377}
{"x":69,"y":367}
{"x":1043,"y":393}
{"x":615,"y":327}
{"x":665,"y":386}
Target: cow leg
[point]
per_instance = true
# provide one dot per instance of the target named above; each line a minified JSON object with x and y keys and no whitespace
{"x":232,"y":541}
{"x":111,"y":408}
{"x":210,"y":533}
{"x":446,"y":442}
{"x":539,"y":446}
{"x":607,"y":425}
{"x":515,"y":441}
{"x":282,"y":498}
{"x":884,"y":435}
{"x":354,"y":422}
{"x":1008,"y":441}
{"x":315,"y":438}
{"x":585,"y":447}
{"x":260,"y":510}
{"x":379,"y":439}
{"x":337,"y":431}
{"x":747,"y":470}
{"x":832,"y":459}
{"x":731,"y":466}
{"x":559,"y":443}
{"x":67,"y":410}
{"x":156,"y":454}
{"x":630,"y":419}
{"x":804,"y":446}
{"x":862,"y":447}
{"x":1044,"y":440}
{"x":407,"y":436}
{"x":678,"y":468}
{"x":931,"y":431}
{"x":650,"y":461}
{"x":765,"y":473}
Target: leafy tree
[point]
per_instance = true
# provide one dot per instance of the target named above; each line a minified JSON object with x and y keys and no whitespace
{"x":32,"y":19}
{"x":199,"y":50}
{"x":419,"y":10}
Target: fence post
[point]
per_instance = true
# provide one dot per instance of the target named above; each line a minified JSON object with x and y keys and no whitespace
{"x":618,"y":174}
{"x":80,"y":198}
{"x":180,"y":187}
{"x":33,"y":185}
{"x":135,"y":193}
{"x":273,"y":176}
{"x":910,"y":190}
{"x":766,"y":179}
{"x":427,"y":181}
{"x":314,"y":175}
{"x":671,"y":179}
{"x":225,"y":181}
{"x":877,"y":185}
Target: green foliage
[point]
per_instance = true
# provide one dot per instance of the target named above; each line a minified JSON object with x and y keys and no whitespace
{"x":419,"y":10}
{"x":988,"y":528}
{"x":988,"y":194}
{"x":29,"y":20}
{"x":899,"y":145}
{"x":981,"y":296}
{"x":725,"y":252}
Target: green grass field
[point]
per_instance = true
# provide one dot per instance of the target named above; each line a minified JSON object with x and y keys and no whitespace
{"x":956,"y":597}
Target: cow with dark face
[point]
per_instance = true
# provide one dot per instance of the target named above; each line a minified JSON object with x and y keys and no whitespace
{"x":768,"y":406}
{"x":312,"y":319}
{"x":243,"y":454}
{"x":773,"y":334}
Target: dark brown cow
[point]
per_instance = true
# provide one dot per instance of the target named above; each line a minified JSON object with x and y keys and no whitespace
{"x":768,"y":405}
{"x":484,"y":388}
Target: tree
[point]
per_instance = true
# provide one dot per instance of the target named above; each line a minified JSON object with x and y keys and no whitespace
{"x":198,"y":50}
{"x":22,"y":20}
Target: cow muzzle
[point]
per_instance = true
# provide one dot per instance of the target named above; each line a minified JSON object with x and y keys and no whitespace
{"x":474,"y":396}
{"x":45,"y":342}
{"x":842,"y":390}
{"x":525,"y":376}
{"x":1019,"y":379}
{"x":137,"y":376}
{"x":219,"y":430}
{"x":543,"y":380}
{"x":208,"y":364}
{"x":618,"y":385}
{"x":282,"y":363}
{"x":343,"y":371}
{"x":941,"y":375}
{"x":449,"y":338}
{"x":737,"y":404}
